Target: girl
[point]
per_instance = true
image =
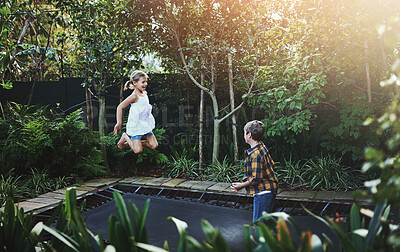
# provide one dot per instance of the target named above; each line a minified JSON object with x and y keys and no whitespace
{"x":140,"y":120}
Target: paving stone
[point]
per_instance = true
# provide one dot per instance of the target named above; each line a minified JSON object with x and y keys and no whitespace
{"x":325,"y":195}
{"x":143,"y":180}
{"x":173,"y":182}
{"x":344,"y":196}
{"x":84,"y":188}
{"x":30,"y":206}
{"x":158,"y":181}
{"x":129,"y":180}
{"x":78,"y":192}
{"x":286,"y":194}
{"x":53,"y":195}
{"x":219,"y":187}
{"x":188,"y":184}
{"x":101,"y":182}
{"x":43,"y":200}
{"x":306,"y":194}
{"x":203,"y":185}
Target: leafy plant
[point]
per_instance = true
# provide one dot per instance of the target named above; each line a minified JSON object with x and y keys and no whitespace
{"x":13,"y":188}
{"x":225,"y":171}
{"x":327,"y":173}
{"x":291,"y":172}
{"x":15,"y":226}
{"x":183,"y":167}
{"x":35,"y":136}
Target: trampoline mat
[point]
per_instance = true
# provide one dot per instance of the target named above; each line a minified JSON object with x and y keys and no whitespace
{"x":229,"y":221}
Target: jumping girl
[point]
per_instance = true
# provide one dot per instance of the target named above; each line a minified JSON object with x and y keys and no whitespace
{"x":140,"y":120}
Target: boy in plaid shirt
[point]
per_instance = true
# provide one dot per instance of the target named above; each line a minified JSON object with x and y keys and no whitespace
{"x":260,"y":179}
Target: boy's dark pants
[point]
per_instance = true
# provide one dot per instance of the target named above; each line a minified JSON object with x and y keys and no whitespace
{"x":263,"y":202}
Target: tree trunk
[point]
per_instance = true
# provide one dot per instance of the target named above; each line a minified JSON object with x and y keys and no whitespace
{"x":201,"y":126}
{"x":89,"y":109}
{"x":232,"y":100}
{"x":102,"y":125}
{"x":367,"y":72}
{"x":217,"y":121}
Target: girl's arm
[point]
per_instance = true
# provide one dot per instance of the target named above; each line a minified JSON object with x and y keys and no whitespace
{"x":130,"y":99}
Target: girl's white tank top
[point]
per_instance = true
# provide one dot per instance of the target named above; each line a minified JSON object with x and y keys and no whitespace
{"x":140,"y":119}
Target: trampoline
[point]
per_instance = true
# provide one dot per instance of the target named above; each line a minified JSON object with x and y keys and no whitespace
{"x":228,"y":220}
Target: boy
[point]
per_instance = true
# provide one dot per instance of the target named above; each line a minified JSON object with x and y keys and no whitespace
{"x":259,"y":171}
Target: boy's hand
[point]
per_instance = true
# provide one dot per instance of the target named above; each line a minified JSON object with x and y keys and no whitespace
{"x":235,"y":187}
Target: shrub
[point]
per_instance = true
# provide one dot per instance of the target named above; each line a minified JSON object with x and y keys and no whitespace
{"x":183,"y":167}
{"x":290,"y":173}
{"x":225,"y":172}
{"x":327,"y":173}
{"x":34,"y":136}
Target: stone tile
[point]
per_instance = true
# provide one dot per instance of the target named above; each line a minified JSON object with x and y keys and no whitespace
{"x":44,"y":200}
{"x":188,"y":184}
{"x":129,"y":180}
{"x":84,"y":188}
{"x":158,"y":181}
{"x":325,"y":195}
{"x":203,"y":185}
{"x":78,"y":192}
{"x":173,"y":182}
{"x":344,"y":196}
{"x":30,"y":206}
{"x":101,"y":182}
{"x":287,"y":194}
{"x":53,"y":195}
{"x":306,"y":194}
{"x":143,"y":180}
{"x":219,"y":187}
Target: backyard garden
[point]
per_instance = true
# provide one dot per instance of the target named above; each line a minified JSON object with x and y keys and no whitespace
{"x":323,"y":77}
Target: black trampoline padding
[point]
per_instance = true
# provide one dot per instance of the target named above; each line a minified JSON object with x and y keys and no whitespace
{"x":229,"y":221}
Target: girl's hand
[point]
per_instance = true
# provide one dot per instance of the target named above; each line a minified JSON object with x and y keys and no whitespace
{"x":116,"y":128}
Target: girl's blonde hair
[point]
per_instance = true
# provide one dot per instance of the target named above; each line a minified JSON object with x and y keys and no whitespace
{"x":135,"y":76}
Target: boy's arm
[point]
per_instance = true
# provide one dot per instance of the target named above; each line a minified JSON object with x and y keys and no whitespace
{"x":235,"y":187}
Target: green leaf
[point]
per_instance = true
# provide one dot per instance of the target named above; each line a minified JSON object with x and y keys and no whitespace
{"x":292,"y":105}
{"x":373,"y":154}
{"x":355,"y":223}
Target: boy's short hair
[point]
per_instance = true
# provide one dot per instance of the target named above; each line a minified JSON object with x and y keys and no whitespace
{"x":256,"y":128}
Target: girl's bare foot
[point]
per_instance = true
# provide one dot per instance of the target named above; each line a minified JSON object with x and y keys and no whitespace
{"x":122,"y":142}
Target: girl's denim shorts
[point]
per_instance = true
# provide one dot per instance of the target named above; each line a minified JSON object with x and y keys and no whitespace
{"x":138,"y":137}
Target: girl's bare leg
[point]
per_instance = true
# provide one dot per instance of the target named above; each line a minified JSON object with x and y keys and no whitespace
{"x":136,"y":145}
{"x":123,"y":141}
{"x":151,"y":142}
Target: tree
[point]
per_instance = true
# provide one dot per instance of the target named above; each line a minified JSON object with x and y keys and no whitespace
{"x":201,"y":34}
{"x":107,"y":42}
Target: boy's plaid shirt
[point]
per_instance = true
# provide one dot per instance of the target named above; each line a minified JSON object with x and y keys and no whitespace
{"x":259,"y":170}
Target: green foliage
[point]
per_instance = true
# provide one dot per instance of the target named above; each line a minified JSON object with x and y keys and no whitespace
{"x":290,"y":173}
{"x":15,"y":226}
{"x":386,"y":158}
{"x":323,"y":172}
{"x":34,"y":136}
{"x":326,"y":172}
{"x":225,"y":172}
{"x":183,"y":167}
{"x":12,"y":188}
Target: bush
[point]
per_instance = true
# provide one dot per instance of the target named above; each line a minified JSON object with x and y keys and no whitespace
{"x":35,"y":136}
{"x":327,"y":173}
{"x":225,"y":172}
